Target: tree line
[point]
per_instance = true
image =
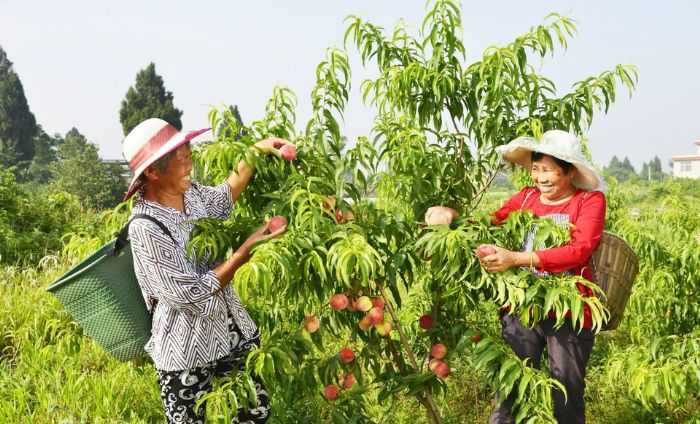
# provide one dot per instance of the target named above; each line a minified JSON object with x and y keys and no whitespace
{"x":47,"y":163}
{"x":623,"y":170}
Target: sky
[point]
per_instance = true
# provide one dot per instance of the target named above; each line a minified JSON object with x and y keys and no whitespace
{"x":77,"y":59}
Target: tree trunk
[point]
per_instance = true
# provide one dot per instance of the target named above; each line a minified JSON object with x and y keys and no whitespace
{"x":426,"y":398}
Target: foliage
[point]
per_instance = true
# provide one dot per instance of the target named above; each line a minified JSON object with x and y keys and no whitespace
{"x":39,"y":170}
{"x":17,"y":123}
{"x":32,"y":225}
{"x":79,"y":171}
{"x":662,"y":362}
{"x":148,"y":98}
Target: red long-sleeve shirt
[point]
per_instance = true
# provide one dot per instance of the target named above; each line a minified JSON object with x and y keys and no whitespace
{"x":586,"y":211}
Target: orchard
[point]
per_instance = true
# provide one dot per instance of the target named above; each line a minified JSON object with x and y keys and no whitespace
{"x":365,"y":302}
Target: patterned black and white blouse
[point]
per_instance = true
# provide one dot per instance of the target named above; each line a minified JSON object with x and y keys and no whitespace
{"x":189,"y":323}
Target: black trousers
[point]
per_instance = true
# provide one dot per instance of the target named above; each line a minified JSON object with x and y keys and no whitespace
{"x":568,"y":351}
{"x":180,"y":390}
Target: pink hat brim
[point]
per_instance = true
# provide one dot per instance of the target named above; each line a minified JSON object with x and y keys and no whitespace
{"x":176,"y":141}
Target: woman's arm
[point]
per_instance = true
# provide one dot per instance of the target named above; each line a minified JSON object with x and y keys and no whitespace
{"x":174,"y":279}
{"x":225,"y":272}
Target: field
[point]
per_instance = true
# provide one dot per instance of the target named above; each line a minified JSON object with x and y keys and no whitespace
{"x":646,"y":371}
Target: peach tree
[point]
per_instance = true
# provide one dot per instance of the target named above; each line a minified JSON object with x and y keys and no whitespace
{"x":409,"y":300}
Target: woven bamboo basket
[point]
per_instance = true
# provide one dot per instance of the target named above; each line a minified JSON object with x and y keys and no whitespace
{"x":615,"y":266}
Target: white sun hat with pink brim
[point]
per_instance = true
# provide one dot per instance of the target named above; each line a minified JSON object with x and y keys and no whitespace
{"x":559,"y":144}
{"x":149,"y":141}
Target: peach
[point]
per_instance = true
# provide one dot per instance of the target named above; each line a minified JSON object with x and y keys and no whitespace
{"x":331,"y":392}
{"x":485,"y":250}
{"x":347,"y":380}
{"x":383,"y":328}
{"x":425,"y":322}
{"x":338,"y":302}
{"x":346,"y":355}
{"x":375,"y":316}
{"x":311,"y":323}
{"x":363,"y":304}
{"x":442,"y":370}
{"x":329,"y":204}
{"x":275,"y":223}
{"x":438,"y":351}
{"x":288,"y":152}
{"x":433,"y":364}
{"x":364,"y":324}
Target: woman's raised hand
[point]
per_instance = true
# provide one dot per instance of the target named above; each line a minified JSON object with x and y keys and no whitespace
{"x":272,"y":143}
{"x":264,"y":233}
{"x":440,"y":215}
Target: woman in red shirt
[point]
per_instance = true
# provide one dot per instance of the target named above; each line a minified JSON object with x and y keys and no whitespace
{"x":566,"y":190}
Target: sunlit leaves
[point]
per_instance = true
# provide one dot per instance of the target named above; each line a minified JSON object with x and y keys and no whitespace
{"x":351,"y":258}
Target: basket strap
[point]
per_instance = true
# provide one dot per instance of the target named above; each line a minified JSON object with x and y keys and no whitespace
{"x":123,"y":236}
{"x":580,"y":202}
{"x":591,"y":262}
{"x":527,"y":196}
{"x":122,"y":240}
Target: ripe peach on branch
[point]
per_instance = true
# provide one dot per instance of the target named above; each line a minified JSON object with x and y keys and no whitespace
{"x":442,"y":370}
{"x":438,"y":351}
{"x":364,"y":324}
{"x":383,"y":328}
{"x":375,"y":316}
{"x":346,"y":355}
{"x":338,"y":302}
{"x":425,"y":322}
{"x":342,"y":217}
{"x":331,"y":392}
{"x":347,"y":380}
{"x":311,"y":323}
{"x":329,"y":204}
{"x":363,"y":303}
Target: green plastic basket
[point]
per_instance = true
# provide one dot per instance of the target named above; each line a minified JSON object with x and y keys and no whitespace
{"x":103,"y":296}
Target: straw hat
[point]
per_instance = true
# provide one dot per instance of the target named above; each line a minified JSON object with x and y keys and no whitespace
{"x":557,"y":143}
{"x":149,"y":141}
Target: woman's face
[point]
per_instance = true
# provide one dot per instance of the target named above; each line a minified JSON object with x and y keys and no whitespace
{"x":177,"y":178}
{"x":551,"y":180}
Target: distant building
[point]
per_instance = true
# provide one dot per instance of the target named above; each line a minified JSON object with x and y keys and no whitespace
{"x":127,"y":173}
{"x":687,"y":166}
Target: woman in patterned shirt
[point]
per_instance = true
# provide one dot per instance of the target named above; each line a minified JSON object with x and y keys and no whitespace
{"x":200,"y":330}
